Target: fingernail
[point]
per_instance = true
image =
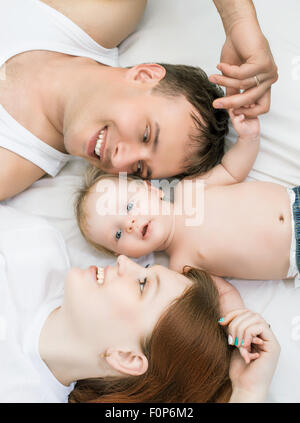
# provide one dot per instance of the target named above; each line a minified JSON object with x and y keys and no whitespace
{"x":236,"y":341}
{"x":221,"y":320}
{"x":230,"y":340}
{"x":243,"y":342}
{"x":218,"y":104}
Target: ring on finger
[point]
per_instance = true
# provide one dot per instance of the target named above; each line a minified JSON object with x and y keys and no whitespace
{"x":257,"y":81}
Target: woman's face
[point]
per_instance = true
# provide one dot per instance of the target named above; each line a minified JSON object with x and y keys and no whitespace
{"x":125,"y":307}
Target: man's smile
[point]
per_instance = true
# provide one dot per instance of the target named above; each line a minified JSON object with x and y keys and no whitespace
{"x":96,"y":147}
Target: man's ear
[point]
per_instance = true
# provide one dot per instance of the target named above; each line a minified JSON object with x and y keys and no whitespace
{"x":149,"y":72}
{"x":127,"y":361}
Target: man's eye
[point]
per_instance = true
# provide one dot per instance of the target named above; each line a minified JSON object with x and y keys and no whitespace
{"x":118,"y":234}
{"x":142,"y":284}
{"x":139,"y":169}
{"x":146,"y":135}
{"x":129,"y":206}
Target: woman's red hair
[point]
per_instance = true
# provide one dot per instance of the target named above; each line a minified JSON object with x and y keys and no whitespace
{"x":188,"y":355}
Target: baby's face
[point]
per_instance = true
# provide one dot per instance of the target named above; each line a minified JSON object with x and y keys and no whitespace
{"x":126,"y":217}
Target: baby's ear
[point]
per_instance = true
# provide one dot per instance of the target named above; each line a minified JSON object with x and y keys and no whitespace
{"x":154,"y":188}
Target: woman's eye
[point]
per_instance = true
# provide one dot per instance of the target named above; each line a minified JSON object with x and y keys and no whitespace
{"x":146,"y":135}
{"x":129,"y":206}
{"x":118,"y":234}
{"x":142,"y":284}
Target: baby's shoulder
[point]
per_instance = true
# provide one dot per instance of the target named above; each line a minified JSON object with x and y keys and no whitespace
{"x":179,"y":260}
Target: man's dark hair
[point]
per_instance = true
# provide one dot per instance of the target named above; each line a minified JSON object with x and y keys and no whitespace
{"x":207,"y":146}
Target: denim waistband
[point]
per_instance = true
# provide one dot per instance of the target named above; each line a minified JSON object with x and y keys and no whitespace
{"x":296,"y":213}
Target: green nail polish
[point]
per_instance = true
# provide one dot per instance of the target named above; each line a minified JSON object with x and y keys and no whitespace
{"x":243,"y":342}
{"x":236,"y":341}
{"x":222,"y":319}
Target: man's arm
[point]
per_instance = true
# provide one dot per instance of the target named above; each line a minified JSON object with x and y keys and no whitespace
{"x":16,"y":174}
{"x":246,"y":60}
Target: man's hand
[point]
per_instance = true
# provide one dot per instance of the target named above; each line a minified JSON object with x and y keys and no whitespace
{"x":246,"y":64}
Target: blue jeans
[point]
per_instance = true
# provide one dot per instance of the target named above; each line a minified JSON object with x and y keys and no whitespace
{"x":296,"y":212}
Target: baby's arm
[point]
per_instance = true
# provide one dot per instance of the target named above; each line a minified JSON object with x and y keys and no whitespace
{"x":238,"y":161}
{"x":230,"y":298}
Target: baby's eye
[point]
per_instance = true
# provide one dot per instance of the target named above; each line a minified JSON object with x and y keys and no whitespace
{"x":118,"y":234}
{"x":129,"y":206}
{"x":142,"y":284}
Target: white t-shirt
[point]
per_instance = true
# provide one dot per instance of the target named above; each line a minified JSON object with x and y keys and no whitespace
{"x":32,"y":25}
{"x":33,"y":264}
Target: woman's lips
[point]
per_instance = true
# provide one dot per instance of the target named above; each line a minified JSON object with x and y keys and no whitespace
{"x":93,"y":271}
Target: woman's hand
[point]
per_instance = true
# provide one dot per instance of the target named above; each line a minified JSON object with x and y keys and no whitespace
{"x":246,"y":64}
{"x":252,"y":368}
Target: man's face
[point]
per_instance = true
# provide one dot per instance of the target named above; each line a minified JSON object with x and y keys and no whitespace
{"x":129,"y":127}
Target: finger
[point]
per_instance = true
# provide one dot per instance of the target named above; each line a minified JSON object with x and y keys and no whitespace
{"x":257,"y":341}
{"x":247,"y":355}
{"x":236,"y":101}
{"x":233,"y":339}
{"x":236,"y":84}
{"x":254,"y":330}
{"x":262,"y":106}
{"x":224,"y":321}
{"x":244,"y":71}
{"x":237,"y":329}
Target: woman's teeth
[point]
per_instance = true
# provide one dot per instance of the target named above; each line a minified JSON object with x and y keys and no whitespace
{"x":100,"y":275}
{"x":99,"y":143}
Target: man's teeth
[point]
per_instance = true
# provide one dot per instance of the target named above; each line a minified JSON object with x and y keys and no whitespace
{"x":99,"y":143}
{"x":100,"y":275}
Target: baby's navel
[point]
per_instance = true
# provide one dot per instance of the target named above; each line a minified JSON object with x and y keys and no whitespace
{"x":281,"y":219}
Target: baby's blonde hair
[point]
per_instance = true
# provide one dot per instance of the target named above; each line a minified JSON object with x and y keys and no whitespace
{"x":92,"y":176}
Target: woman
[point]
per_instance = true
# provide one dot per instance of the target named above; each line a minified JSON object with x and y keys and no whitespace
{"x":142,"y":334}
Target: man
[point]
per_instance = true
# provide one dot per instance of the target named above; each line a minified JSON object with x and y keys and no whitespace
{"x":58,"y":99}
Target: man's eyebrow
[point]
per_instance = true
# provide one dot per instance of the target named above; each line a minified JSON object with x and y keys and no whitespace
{"x":154,"y":147}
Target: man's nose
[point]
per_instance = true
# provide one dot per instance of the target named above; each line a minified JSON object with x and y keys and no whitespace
{"x":126,"y":155}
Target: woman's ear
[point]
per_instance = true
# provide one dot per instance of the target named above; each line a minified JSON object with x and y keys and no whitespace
{"x":127,"y":361}
{"x":148,"y":72}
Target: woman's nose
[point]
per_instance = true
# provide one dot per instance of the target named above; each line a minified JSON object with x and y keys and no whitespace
{"x":126,"y":266}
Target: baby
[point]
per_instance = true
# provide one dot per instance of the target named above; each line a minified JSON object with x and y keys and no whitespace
{"x":247,"y":229}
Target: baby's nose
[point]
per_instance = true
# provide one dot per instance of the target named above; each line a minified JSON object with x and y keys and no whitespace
{"x":130,"y":224}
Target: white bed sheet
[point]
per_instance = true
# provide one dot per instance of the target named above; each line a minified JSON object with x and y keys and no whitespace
{"x":190,"y":31}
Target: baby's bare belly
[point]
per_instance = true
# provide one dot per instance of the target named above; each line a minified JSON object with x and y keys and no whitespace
{"x":246,"y":231}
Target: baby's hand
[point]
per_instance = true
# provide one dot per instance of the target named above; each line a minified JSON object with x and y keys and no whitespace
{"x":247,"y":128}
